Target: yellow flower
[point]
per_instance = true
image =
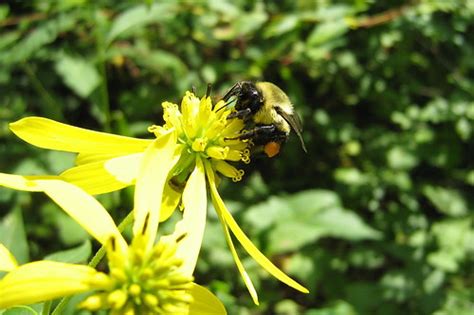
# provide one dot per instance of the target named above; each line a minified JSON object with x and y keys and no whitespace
{"x":143,"y":278}
{"x":206,"y":141}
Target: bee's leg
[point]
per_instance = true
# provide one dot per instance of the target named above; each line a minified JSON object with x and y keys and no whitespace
{"x":263,"y":134}
{"x":242,"y":114}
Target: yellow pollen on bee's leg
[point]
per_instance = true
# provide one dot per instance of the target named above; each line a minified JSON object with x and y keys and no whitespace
{"x":272,"y":148}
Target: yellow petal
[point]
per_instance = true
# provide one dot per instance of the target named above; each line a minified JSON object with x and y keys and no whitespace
{"x":246,"y":242}
{"x":7,"y":261}
{"x":93,"y":178}
{"x":106,"y":175}
{"x":240,"y":266}
{"x":157,"y":161}
{"x":194,"y":219}
{"x":84,"y":209}
{"x":26,"y":183}
{"x":44,"y":280}
{"x":50,"y":134}
{"x":125,"y":168}
{"x":205,"y":303}
{"x":85,"y":158}
{"x":169,"y":203}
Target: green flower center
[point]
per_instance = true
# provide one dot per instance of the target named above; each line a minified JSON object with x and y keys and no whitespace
{"x":145,"y":283}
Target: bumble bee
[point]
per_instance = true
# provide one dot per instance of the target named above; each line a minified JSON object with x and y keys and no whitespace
{"x":267,"y":111}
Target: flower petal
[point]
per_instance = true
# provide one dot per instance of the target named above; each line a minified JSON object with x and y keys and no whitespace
{"x":7,"y":260}
{"x":157,"y":161}
{"x":84,"y":209}
{"x":73,"y":200}
{"x":240,"y":266}
{"x":205,"y":303}
{"x":44,"y":280}
{"x":50,"y":134}
{"x":85,"y":158}
{"x":194,"y":219}
{"x":26,"y":183}
{"x":169,"y":203}
{"x":246,"y":242}
{"x":106,"y":175}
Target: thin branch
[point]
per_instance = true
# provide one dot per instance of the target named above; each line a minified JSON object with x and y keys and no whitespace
{"x":381,"y":18}
{"x":14,"y":20}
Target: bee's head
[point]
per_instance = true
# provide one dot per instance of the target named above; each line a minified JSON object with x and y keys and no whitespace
{"x":248,"y":96}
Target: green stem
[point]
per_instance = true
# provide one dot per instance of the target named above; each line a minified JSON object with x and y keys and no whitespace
{"x":53,"y":108}
{"x":94,"y":262}
{"x":104,"y":92}
{"x":46,"y":307}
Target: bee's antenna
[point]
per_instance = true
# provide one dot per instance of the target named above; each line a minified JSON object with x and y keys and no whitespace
{"x":225,"y":105}
{"x":209,"y":90}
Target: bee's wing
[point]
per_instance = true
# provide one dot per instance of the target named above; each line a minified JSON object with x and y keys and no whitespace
{"x":295,"y":122}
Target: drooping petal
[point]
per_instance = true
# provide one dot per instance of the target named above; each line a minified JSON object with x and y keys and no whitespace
{"x":49,"y":134}
{"x":45,"y":280}
{"x":106,"y":175}
{"x":191,"y":227}
{"x":7,"y":260}
{"x":169,"y":202}
{"x":205,"y":303}
{"x":25,"y":183}
{"x":157,"y":161}
{"x":253,"y":251}
{"x":243,"y":273}
{"x":83,"y":208}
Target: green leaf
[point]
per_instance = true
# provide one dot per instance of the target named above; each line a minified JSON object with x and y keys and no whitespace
{"x":446,"y":200}
{"x":77,"y":255}
{"x":4,"y":10}
{"x":161,"y":62}
{"x":70,"y":232}
{"x":140,"y":15}
{"x":327,"y":31}
{"x":459,"y":301}
{"x":400,"y":158}
{"x":78,"y":74}
{"x":59,"y":161}
{"x":351,"y":176}
{"x":455,"y":239}
{"x":242,"y":24}
{"x":339,"y":308}
{"x":282,"y":24}
{"x":304,"y":217}
{"x":272,"y":210}
{"x":287,"y":306}
{"x":19,"y":310}
{"x":43,"y":35}
{"x":13,"y":236}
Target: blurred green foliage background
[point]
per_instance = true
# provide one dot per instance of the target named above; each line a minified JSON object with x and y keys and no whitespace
{"x":376,"y":219}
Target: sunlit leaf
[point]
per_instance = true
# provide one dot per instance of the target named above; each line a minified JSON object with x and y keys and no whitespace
{"x":78,"y":74}
{"x":76,"y":255}
{"x":13,"y":236}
